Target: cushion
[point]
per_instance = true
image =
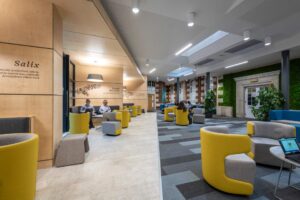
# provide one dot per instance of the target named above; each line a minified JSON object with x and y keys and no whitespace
{"x":240,"y":167}
{"x":273,"y":130}
{"x":261,"y":140}
{"x":197,"y":111}
{"x":286,"y":121}
{"x":171,"y":114}
{"x":109,"y":116}
{"x":13,"y":138}
{"x":217,"y":129}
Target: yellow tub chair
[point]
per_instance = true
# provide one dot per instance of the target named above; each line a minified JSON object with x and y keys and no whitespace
{"x":226,"y":162}
{"x":139,"y":110}
{"x":18,"y":166}
{"x":79,"y":123}
{"x":134,"y":111}
{"x":169,"y":113}
{"x":129,"y":114}
{"x":182,"y":117}
{"x":125,"y":118}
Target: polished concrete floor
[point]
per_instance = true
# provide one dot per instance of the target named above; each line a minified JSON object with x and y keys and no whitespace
{"x":125,"y":167}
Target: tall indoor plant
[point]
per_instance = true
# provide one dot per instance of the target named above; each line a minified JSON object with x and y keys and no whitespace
{"x":269,"y":98}
{"x":210,"y":103}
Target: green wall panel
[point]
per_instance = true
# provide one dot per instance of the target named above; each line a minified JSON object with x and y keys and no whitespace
{"x":295,"y":84}
{"x":229,"y":86}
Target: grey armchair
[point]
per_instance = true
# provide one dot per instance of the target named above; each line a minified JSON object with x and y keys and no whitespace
{"x":265,"y":135}
{"x":198,"y":116}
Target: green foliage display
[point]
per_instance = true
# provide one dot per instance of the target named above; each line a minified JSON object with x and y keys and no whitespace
{"x":210,"y":102}
{"x":295,"y":85}
{"x":269,"y":98}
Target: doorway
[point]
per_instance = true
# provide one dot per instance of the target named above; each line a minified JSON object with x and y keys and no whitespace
{"x":250,"y":95}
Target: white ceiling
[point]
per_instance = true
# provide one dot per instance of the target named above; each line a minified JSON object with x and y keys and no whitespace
{"x":89,"y":40}
{"x":160,"y":30}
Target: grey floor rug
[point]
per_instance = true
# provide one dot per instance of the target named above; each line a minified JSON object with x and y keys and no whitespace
{"x":181,"y":165}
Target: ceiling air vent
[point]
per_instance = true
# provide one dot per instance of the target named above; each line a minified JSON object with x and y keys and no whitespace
{"x":203,"y":62}
{"x":243,"y":46}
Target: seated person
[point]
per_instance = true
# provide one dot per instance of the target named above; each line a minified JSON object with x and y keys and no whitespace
{"x":88,"y":108}
{"x":104,"y":108}
{"x":183,"y":106}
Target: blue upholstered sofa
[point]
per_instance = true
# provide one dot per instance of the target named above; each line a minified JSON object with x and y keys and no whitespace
{"x":291,"y":117}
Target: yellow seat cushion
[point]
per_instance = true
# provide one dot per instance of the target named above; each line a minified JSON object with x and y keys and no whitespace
{"x":79,"y":123}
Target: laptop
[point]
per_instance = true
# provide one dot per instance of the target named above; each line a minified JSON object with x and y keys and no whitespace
{"x":290,"y":148}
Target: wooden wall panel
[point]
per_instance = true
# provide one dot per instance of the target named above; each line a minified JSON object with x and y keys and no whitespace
{"x":57,"y":32}
{"x":137,"y":92}
{"x":31,"y":70}
{"x":112,"y":75}
{"x":99,"y":90}
{"x":27,"y":69}
{"x":99,"y":102}
{"x":26,"y":22}
{"x":111,"y":89}
{"x":38,"y":106}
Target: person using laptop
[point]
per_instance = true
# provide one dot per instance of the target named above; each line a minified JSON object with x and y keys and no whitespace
{"x":104,"y":108}
{"x":290,"y":148}
{"x":88,"y":107}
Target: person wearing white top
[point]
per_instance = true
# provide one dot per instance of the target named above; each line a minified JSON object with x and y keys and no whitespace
{"x":104,"y":108}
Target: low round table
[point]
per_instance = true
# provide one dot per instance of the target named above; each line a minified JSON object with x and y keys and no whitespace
{"x":278,"y":153}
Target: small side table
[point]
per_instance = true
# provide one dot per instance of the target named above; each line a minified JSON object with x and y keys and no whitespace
{"x":278,"y":153}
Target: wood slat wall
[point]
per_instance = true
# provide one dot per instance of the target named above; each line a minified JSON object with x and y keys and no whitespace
{"x":31,"y":34}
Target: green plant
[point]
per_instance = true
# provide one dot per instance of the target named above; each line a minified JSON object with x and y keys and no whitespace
{"x":269,"y":98}
{"x":210,"y":102}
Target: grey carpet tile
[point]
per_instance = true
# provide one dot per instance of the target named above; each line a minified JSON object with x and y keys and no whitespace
{"x":180,"y":155}
{"x":194,"y":189}
{"x":180,"y":140}
{"x":179,"y":159}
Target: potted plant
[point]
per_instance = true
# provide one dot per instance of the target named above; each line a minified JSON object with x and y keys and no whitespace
{"x":210,"y":103}
{"x":269,"y":98}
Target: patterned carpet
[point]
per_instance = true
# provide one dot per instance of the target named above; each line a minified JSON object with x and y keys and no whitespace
{"x":181,"y":166}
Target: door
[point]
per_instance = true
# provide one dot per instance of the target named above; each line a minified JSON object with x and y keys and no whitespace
{"x":250,"y":94}
{"x":151,"y":103}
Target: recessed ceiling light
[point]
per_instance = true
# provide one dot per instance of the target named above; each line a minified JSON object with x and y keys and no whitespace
{"x":183,"y":49}
{"x":246,"y":35}
{"x":237,"y":64}
{"x":171,"y":79}
{"x":135,"y":6}
{"x":152,"y":70}
{"x":147,"y":63}
{"x":268,"y":41}
{"x":191,"y":19}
